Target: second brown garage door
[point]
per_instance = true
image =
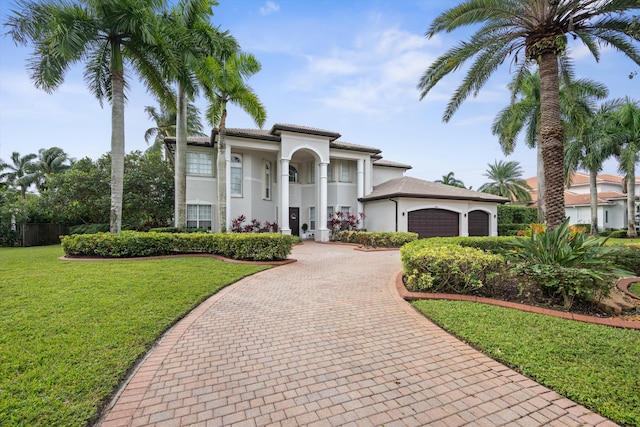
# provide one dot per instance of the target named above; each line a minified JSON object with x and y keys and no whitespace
{"x":434,"y":223}
{"x":478,"y":223}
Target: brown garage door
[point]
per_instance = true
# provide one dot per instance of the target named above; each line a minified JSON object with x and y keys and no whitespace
{"x":478,"y":223}
{"x":434,"y":223}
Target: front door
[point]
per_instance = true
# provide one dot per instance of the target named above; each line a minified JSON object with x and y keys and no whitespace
{"x":294,"y":221}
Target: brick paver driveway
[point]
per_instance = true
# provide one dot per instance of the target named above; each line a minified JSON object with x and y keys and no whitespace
{"x":326,"y":342}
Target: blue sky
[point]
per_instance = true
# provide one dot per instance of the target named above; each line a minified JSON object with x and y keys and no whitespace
{"x":349,"y":66}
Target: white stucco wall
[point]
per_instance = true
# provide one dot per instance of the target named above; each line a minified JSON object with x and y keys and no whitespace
{"x":380,"y":215}
{"x":383,"y":173}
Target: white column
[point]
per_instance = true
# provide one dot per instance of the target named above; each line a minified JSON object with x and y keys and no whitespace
{"x":227,"y":156}
{"x":284,"y":196}
{"x":360,"y":186}
{"x":322,"y":234}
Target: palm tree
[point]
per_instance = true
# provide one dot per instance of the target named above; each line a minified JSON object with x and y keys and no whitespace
{"x":530,"y":31}
{"x":20,"y":173}
{"x":192,"y":39}
{"x":51,"y":161}
{"x":226,"y":85}
{"x":165,"y":124}
{"x":105,"y":36}
{"x":626,"y":120}
{"x":589,"y":148}
{"x":449,"y":179}
{"x":506,"y":181}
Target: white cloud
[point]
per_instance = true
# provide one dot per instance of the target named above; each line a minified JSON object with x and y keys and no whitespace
{"x":269,"y":8}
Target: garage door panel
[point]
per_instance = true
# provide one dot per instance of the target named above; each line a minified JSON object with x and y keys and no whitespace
{"x":434,"y":223}
{"x":478,"y":223}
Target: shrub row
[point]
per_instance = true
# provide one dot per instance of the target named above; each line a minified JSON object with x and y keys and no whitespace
{"x":370,"y":239}
{"x":450,"y":267}
{"x":493,"y":244}
{"x":249,"y":246}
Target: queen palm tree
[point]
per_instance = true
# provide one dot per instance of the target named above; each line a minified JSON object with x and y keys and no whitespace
{"x":505,"y":179}
{"x":530,"y":31}
{"x":165,"y":124}
{"x":626,"y":121}
{"x":191,"y":39}
{"x":105,"y":35}
{"x":51,"y":161}
{"x":20,"y":173}
{"x":226,"y":85}
{"x":449,"y":179}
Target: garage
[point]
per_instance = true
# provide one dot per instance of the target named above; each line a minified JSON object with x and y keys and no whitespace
{"x":434,"y":223}
{"x":478,"y":223}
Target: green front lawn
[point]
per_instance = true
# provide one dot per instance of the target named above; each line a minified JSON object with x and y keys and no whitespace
{"x":625,"y":241}
{"x":596,"y":366}
{"x":635,"y":288}
{"x":69,"y":330}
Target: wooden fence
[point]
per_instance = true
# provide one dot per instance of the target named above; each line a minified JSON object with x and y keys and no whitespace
{"x":31,"y":234}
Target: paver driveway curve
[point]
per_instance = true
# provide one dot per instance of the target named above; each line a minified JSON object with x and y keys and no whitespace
{"x":326,"y":341}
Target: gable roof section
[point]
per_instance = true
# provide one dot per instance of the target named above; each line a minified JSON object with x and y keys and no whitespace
{"x":421,"y":189}
{"x":279,"y":127}
{"x":354,"y":147}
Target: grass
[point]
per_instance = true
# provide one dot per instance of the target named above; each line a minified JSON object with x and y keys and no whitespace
{"x":625,"y":241}
{"x":71,"y":330}
{"x":596,"y":366}
{"x":635,"y":288}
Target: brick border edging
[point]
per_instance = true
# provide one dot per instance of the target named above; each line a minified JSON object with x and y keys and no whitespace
{"x":607,"y":321}
{"x":623,"y":285}
{"x":218,"y":257}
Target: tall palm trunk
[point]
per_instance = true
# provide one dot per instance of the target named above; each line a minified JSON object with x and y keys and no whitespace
{"x":117,"y":138}
{"x":540,"y":173}
{"x":551,"y":139}
{"x":222,"y":172}
{"x":593,"y":193}
{"x":180,"y":220}
{"x":631,"y":203}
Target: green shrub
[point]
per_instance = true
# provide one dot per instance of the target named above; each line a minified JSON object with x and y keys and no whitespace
{"x":249,"y":246}
{"x":370,"y":239}
{"x":449,"y":267}
{"x":618,"y":234}
{"x":178,"y":230}
{"x":566,"y":262}
{"x":89,"y":228}
{"x":627,"y":257}
{"x":493,"y":244}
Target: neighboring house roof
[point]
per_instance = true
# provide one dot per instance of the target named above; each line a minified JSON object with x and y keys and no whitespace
{"x":421,"y":189}
{"x":604,"y":198}
{"x":582,"y":179}
{"x":390,"y":164}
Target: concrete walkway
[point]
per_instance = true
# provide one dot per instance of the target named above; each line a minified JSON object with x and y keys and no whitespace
{"x":326,"y":341}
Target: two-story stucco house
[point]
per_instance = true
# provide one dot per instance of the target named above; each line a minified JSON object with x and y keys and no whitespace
{"x":612,"y":201}
{"x":296,"y":175}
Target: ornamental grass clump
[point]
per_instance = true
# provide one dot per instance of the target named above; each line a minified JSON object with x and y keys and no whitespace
{"x":565,"y":262}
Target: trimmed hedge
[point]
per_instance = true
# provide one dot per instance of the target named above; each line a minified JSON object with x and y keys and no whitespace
{"x":131,"y":244}
{"x":512,"y":218}
{"x":370,"y":239}
{"x":493,"y":244}
{"x":449,"y":267}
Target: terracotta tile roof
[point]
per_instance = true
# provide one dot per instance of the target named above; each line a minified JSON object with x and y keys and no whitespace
{"x":390,"y":164}
{"x":581,"y":178}
{"x":418,"y":188}
{"x":604,"y":198}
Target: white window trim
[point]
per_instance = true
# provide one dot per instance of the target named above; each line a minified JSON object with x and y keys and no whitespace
{"x":232,"y":167}
{"x":312,"y":218}
{"x":266,"y":180}
{"x":199,"y":153}
{"x":198,"y":207}
{"x":311,"y":173}
{"x":345,"y":166}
